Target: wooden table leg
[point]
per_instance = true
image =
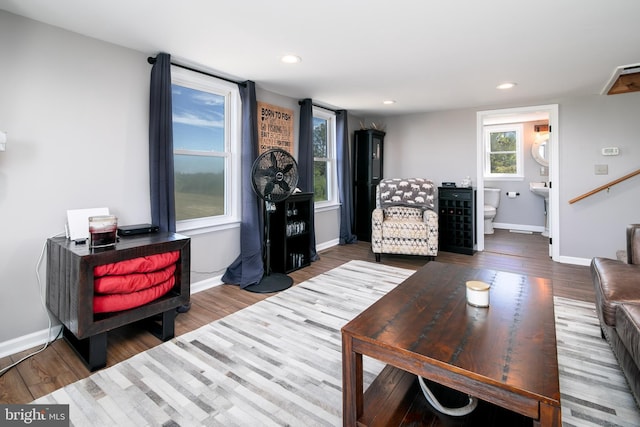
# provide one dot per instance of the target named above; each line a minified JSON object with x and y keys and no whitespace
{"x":550,"y":416}
{"x":92,"y":350}
{"x":352,"y":383}
{"x":163,"y":327}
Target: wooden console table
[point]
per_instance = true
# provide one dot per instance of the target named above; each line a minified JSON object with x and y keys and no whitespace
{"x":70,"y":290}
{"x":504,"y":354}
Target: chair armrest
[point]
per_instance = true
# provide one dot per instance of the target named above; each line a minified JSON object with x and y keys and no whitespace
{"x":430,"y":216}
{"x":377,"y":216}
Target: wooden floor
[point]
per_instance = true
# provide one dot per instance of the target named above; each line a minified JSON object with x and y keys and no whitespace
{"x":58,"y":366}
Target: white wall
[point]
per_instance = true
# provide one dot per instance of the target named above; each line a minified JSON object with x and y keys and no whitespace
{"x":596,"y":226}
{"x":442,"y":146}
{"x":439,"y":146}
{"x":76,"y":113}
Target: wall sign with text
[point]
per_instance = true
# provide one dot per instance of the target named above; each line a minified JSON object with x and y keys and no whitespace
{"x":275,"y":128}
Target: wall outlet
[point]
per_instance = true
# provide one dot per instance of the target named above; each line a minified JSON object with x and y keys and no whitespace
{"x":602,"y":169}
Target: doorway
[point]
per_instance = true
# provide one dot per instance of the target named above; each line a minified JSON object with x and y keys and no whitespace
{"x":548,"y":112}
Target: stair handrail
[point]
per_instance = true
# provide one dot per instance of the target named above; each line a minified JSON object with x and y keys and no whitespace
{"x":604,"y":187}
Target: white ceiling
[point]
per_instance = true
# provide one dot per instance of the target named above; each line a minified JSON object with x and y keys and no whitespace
{"x":427,"y":55}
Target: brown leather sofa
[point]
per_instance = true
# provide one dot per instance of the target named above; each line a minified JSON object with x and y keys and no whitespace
{"x":617,"y":287}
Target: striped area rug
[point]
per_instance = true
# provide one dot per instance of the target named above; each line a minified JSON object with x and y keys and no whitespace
{"x":279,"y":363}
{"x":593,"y":390}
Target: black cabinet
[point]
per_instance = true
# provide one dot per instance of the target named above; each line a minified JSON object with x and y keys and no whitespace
{"x":457,"y":219}
{"x":367,"y":173}
{"x":290,"y":232}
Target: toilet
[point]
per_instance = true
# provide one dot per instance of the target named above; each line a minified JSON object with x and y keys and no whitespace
{"x":491,"y":202}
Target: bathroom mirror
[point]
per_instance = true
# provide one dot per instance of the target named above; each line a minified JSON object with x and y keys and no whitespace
{"x":539,"y":150}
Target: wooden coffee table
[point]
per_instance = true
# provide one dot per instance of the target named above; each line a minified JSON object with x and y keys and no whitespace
{"x":504,"y":354}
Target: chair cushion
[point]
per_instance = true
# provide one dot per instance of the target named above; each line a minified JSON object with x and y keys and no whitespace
{"x":404,"y":229}
{"x":403,"y":213}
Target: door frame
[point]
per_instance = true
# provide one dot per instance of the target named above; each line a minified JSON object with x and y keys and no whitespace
{"x":554,"y":174}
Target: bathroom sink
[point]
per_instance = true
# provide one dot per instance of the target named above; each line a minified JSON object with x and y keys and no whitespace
{"x":539,"y":188}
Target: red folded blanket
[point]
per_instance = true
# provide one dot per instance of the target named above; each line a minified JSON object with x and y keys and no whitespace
{"x":127,"y":283}
{"x":119,"y":302}
{"x":134,"y":282}
{"x":137,"y":265}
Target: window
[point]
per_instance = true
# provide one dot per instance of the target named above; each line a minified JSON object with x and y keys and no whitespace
{"x":324,"y":157}
{"x":503,"y":152}
{"x":206,"y":141}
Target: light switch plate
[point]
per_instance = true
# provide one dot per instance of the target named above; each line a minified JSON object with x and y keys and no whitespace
{"x":601,"y":169}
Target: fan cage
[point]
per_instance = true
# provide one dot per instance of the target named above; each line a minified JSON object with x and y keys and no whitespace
{"x":274,"y":175}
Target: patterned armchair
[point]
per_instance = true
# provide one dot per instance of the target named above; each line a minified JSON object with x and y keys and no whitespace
{"x":405,"y":220}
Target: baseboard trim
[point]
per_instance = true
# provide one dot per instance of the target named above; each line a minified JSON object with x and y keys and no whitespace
{"x":29,"y":341}
{"x":522,"y":227}
{"x":539,"y":229}
{"x":328,"y":244}
{"x":574,"y":260}
{"x":203,"y":285}
{"x":37,"y":339}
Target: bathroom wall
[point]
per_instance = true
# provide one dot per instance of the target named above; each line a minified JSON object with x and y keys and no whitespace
{"x":442,"y":145}
{"x":525,"y":211}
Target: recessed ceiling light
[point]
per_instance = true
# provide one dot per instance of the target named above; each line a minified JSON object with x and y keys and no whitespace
{"x":389,"y":102}
{"x":507,"y":85}
{"x":291,"y":59}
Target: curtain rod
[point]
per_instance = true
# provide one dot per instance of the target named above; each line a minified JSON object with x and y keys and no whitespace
{"x":320,"y":106}
{"x":152,"y":61}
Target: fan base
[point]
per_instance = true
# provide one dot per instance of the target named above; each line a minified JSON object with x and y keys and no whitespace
{"x":274,"y":282}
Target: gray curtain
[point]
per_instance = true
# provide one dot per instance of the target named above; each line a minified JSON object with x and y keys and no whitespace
{"x":163,"y":212}
{"x":345,"y":179}
{"x":248,"y":268}
{"x":305,"y":162}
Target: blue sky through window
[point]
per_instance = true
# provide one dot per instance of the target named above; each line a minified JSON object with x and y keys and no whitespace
{"x":198,"y":124}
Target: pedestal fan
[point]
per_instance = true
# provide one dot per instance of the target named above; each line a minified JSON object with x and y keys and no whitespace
{"x":274,"y":176}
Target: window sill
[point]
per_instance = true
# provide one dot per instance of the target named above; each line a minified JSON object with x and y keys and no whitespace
{"x":196,"y":230}
{"x":326,"y":206}
{"x":504,"y":178}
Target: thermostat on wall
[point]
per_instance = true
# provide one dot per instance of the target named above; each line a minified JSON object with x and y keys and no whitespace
{"x":610,"y":151}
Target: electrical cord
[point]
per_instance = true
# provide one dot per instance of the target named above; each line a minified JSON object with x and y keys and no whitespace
{"x":44,"y":306}
{"x":455,"y":412}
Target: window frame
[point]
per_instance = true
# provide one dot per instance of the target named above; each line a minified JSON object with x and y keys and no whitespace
{"x":331,"y":160}
{"x":231,"y":154}
{"x":511,"y":127}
